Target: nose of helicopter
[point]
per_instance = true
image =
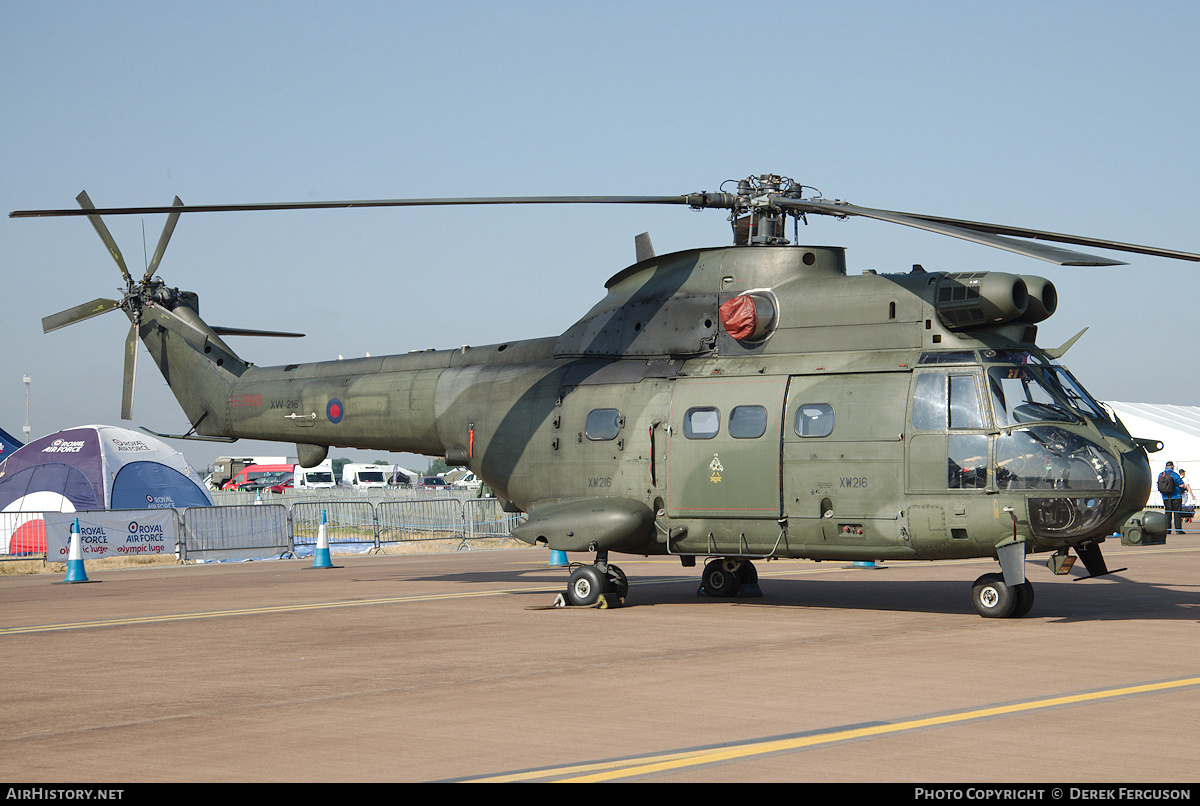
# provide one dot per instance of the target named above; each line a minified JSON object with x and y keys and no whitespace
{"x":1135,"y":466}
{"x":1135,"y":492}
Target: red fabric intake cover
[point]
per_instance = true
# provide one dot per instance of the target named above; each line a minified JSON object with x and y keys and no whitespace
{"x":738,"y":317}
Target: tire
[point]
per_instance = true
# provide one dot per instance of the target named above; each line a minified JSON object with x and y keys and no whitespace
{"x":992,"y":598}
{"x":1024,"y":593}
{"x":720,"y":581}
{"x":585,"y":586}
{"x":618,"y":583}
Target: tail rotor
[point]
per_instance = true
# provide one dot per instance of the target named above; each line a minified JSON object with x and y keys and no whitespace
{"x":138,"y":297}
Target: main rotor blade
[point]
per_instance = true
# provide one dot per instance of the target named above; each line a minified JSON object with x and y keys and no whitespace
{"x":1053,"y":254}
{"x":168,"y":228}
{"x":89,"y":210}
{"x":1080,"y":240}
{"x":935,"y":223}
{"x":77,"y":314}
{"x":324,"y":205}
{"x":131,"y":343}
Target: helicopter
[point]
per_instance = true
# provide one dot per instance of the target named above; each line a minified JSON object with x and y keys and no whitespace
{"x":739,"y":403}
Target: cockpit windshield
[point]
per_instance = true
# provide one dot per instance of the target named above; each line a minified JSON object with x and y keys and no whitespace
{"x":1025,"y":387}
{"x":1019,"y":395}
{"x":1011,"y":357}
{"x":1075,"y":395}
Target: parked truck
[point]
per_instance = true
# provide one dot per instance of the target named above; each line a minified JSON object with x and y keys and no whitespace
{"x":315,"y":477}
{"x":225,"y":468}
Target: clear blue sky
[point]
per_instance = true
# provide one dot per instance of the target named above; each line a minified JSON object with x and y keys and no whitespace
{"x":1077,"y":117}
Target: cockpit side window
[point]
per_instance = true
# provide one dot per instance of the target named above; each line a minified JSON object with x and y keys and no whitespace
{"x":966,"y":410}
{"x":929,"y":402}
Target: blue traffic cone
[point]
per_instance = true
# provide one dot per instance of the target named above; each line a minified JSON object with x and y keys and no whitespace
{"x":75,"y":569}
{"x":557,"y":558}
{"x":321,"y":557}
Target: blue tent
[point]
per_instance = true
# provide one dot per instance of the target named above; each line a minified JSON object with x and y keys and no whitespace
{"x":90,"y":467}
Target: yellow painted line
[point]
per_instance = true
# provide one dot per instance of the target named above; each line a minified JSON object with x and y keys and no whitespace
{"x":667,"y":762}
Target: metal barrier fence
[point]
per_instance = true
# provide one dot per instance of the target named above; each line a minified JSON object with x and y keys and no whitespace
{"x":22,"y":535}
{"x":235,"y":532}
{"x":264,"y":530}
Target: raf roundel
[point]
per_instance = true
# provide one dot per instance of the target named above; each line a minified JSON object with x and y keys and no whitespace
{"x":335,"y":410}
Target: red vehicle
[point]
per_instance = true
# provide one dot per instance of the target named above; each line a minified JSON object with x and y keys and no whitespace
{"x":286,"y":485}
{"x":252,"y":477}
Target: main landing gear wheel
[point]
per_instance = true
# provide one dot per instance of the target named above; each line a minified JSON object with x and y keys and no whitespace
{"x":588,"y":583}
{"x":728,"y":577}
{"x":994,"y":599}
{"x":618,"y":583}
{"x":720,"y":578}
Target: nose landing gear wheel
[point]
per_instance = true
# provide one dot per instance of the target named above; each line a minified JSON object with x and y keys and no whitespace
{"x":993,"y":599}
{"x":1024,"y":594}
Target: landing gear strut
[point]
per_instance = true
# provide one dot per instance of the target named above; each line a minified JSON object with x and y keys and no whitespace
{"x":729,"y":576}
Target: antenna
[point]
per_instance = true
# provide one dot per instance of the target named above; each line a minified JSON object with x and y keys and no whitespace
{"x":25,"y":428}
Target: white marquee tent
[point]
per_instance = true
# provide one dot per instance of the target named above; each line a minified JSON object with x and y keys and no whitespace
{"x":1177,"y":427}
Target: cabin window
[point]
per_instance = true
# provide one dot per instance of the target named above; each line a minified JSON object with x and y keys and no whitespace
{"x":603,"y":424}
{"x":814,"y":420}
{"x":747,"y":422}
{"x":701,"y":422}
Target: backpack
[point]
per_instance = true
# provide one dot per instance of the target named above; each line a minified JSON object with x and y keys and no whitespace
{"x":1166,"y":484}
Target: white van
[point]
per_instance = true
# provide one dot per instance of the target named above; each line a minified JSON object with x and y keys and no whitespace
{"x":364,"y":476}
{"x":468,"y":481}
{"x":315,"y":477}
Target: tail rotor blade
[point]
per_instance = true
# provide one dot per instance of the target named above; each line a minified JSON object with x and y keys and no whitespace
{"x":131,"y":342}
{"x":162,"y":241}
{"x":105,"y":235}
{"x":77,"y":314}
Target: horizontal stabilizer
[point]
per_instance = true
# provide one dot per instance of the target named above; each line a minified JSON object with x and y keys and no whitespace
{"x":196,"y":437}
{"x":242,"y":331}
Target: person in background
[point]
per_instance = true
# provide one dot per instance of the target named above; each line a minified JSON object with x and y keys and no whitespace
{"x":1189,"y":497}
{"x":1170,"y":486}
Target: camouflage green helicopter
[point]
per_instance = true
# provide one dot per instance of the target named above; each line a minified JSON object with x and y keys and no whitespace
{"x":736,"y":403}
